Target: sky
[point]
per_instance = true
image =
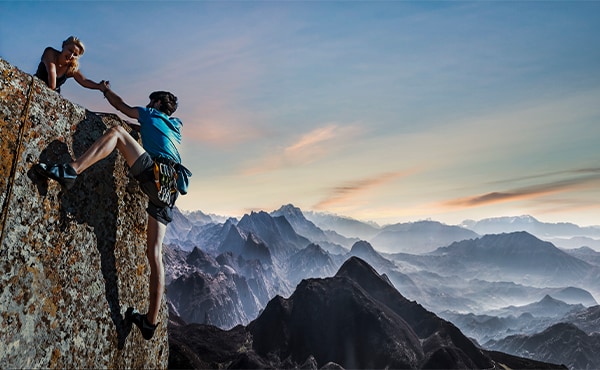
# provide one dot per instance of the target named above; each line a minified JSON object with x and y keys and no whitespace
{"x":386,"y":111}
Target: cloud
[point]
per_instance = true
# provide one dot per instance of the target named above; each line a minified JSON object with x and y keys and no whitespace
{"x":591,"y":177}
{"x":313,"y":144}
{"x":345,"y":193}
{"x":307,"y":149}
{"x":222,"y":131}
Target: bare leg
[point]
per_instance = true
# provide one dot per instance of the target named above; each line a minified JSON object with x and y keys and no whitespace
{"x":115,"y":137}
{"x":155,"y":236}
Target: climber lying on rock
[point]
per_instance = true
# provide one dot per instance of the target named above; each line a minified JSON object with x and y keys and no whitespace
{"x":157,"y":167}
{"x":57,"y":66}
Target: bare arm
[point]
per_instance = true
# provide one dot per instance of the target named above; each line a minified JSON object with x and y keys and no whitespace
{"x":49,"y":60}
{"x":116,"y":101}
{"x":85,"y":82}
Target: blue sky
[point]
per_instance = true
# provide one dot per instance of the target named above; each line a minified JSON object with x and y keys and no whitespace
{"x":390,"y":111}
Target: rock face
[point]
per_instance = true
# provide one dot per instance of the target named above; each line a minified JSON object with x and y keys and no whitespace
{"x":71,"y":261}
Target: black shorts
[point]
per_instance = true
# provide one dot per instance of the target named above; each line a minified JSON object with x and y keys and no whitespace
{"x":143,"y":171}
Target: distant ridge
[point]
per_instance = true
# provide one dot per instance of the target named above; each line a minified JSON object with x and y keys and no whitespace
{"x":497,"y":225}
{"x":550,"y":345}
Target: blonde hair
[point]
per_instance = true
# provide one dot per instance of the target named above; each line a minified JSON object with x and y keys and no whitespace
{"x":72,"y":40}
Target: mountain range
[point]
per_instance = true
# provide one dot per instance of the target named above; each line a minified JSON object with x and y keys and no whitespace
{"x":355,"y":319}
{"x":226,"y":272}
{"x":531,"y":225}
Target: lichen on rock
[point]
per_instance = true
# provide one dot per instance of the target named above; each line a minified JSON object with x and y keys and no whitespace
{"x":71,"y":261}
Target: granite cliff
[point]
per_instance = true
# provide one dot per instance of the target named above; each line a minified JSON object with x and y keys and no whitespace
{"x":71,"y":262}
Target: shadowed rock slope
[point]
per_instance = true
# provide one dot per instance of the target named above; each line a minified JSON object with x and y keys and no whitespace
{"x":71,"y":262}
{"x":355,"y":319}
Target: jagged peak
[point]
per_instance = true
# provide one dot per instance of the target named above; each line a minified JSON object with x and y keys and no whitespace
{"x":232,"y":221}
{"x":195,"y":252}
{"x":355,"y":267}
{"x":290,"y":208}
{"x":549,"y":300}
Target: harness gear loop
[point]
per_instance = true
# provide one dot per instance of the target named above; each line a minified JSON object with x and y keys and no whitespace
{"x":13,"y":169}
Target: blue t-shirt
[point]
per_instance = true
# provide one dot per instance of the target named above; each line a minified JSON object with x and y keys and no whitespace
{"x":160,"y":133}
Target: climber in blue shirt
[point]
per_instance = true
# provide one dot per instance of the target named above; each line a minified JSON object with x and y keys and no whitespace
{"x":157,"y":167}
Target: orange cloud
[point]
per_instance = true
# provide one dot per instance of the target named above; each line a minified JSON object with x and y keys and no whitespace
{"x":342,"y":194}
{"x":222,"y":132}
{"x":309,"y":148}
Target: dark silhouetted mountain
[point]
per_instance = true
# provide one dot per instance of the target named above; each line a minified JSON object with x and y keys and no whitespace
{"x":198,"y":346}
{"x":531,"y":225}
{"x":330,"y":241}
{"x":418,"y":237}
{"x":358,"y":320}
{"x":514,"y":362}
{"x":346,"y":226}
{"x":561,"y":343}
{"x":547,"y":307}
{"x":364,"y":250}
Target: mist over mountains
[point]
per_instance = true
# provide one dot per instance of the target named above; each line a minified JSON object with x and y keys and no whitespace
{"x":225,"y":272}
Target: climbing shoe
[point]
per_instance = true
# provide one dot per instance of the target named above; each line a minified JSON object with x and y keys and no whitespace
{"x":63,"y":173}
{"x":147,"y":329}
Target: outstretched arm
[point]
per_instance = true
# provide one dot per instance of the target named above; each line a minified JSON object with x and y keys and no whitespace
{"x":85,"y":82}
{"x":116,"y":101}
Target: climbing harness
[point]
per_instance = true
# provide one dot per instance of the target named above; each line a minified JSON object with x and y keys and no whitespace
{"x":165,"y":178}
{"x":13,"y":169}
